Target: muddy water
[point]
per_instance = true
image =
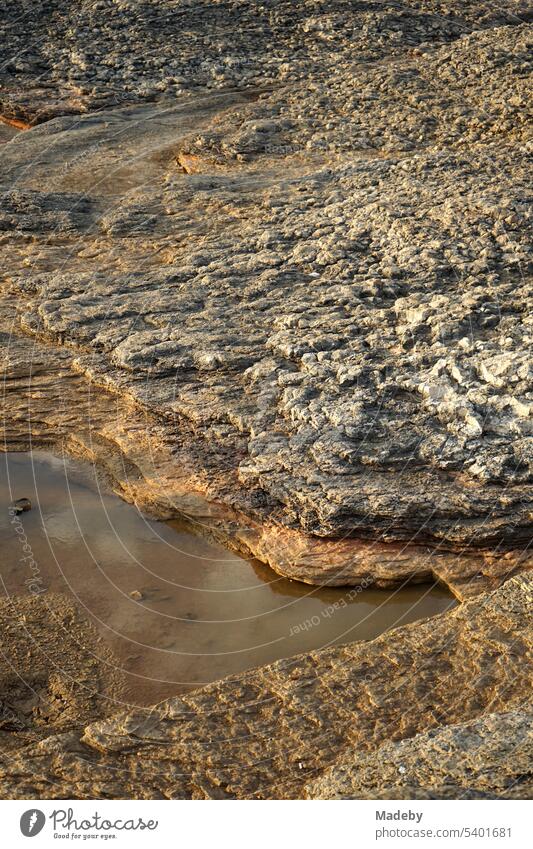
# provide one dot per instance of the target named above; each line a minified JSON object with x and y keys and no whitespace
{"x":176,"y":610}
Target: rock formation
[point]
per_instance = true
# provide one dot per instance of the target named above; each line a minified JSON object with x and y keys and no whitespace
{"x":309,"y":264}
{"x":267,"y":265}
{"x":484,"y":758}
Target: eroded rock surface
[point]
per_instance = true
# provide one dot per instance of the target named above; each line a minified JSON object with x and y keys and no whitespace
{"x":272,"y":732}
{"x":489,"y":757}
{"x":268,"y":266}
{"x":167,"y":472}
{"x":58,"y":58}
{"x":299,"y":244}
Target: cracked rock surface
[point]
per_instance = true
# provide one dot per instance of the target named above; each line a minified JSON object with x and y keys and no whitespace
{"x":103,"y":52}
{"x":320,"y":274}
{"x":268,"y":265}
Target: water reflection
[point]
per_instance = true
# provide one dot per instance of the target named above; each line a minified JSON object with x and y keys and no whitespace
{"x":176,"y":610}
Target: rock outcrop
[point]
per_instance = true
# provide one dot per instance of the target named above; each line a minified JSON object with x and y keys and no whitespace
{"x":48,"y":402}
{"x":275,"y":731}
{"x":310,"y":267}
{"x":59,"y":59}
{"x":268,"y":266}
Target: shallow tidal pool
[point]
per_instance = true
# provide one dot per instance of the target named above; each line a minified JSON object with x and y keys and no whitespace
{"x":176,"y":610}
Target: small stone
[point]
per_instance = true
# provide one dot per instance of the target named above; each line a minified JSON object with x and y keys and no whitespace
{"x":22,"y":505}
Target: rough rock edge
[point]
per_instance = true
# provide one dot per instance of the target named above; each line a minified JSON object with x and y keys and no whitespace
{"x":164,"y":478}
{"x":251,"y":473}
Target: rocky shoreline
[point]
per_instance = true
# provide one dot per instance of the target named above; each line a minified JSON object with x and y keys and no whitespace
{"x":48,"y":403}
{"x":275,"y":279}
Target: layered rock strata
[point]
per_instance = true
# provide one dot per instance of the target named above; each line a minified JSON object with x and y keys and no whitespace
{"x":316,"y":280}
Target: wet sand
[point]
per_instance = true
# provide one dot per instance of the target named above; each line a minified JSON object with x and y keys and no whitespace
{"x":176,"y":610}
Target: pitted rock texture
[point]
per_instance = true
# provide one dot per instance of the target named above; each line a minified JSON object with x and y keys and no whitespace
{"x":275,"y":731}
{"x":168,"y":472}
{"x":489,"y":758}
{"x":312,"y":267}
{"x":58,"y":58}
{"x":268,"y":264}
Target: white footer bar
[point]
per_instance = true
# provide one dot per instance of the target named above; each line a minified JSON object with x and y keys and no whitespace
{"x":272,"y":825}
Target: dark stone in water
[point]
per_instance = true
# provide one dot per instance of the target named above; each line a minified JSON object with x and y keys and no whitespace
{"x":22,"y":505}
